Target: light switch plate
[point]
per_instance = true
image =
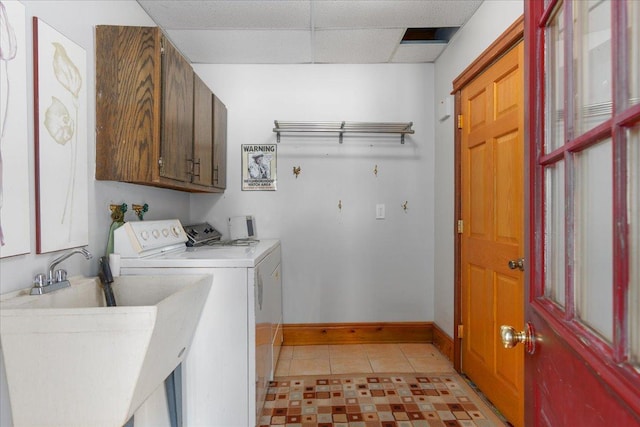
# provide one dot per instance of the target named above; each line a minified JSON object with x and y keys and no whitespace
{"x":380,"y":211}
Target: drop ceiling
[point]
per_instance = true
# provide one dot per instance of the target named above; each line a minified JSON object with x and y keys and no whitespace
{"x":305,"y":31}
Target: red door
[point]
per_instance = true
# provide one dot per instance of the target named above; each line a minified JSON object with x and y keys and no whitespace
{"x":582,"y":79}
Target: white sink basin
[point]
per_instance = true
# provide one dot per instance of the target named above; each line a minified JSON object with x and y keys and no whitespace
{"x":72,"y":361}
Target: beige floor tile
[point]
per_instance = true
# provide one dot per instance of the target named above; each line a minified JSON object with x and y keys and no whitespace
{"x":282,"y":368}
{"x":418,"y":349}
{"x":349,"y":365}
{"x":428,"y":364}
{"x":310,"y":367}
{"x":286,"y":352}
{"x":383,"y":350}
{"x":310,"y":352}
{"x":390,"y":364}
{"x":347,"y":350}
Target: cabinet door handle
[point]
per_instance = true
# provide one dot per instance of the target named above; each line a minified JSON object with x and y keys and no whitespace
{"x":196,"y":163}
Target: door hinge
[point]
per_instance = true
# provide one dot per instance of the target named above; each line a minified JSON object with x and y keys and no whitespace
{"x":460,"y":226}
{"x":459,"y":121}
{"x":460,"y":331}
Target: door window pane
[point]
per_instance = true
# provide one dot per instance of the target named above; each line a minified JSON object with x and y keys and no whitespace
{"x":592,"y":56}
{"x":633,"y":34}
{"x":554,"y":63}
{"x":594,"y":238}
{"x":554,"y":234}
{"x":633,"y":192}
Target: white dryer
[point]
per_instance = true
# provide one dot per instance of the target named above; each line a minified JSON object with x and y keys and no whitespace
{"x":237,"y":342}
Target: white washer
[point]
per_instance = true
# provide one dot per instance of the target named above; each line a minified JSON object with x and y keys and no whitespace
{"x":237,"y":342}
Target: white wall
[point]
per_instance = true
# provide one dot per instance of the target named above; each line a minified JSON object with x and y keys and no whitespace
{"x":489,"y":21}
{"x":76,"y":20}
{"x":338,"y":265}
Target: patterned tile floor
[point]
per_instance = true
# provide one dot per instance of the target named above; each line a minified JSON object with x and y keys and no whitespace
{"x":371,"y":385}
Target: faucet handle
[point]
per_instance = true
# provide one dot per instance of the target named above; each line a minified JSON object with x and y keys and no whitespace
{"x":40,"y":280}
{"x":60,"y":275}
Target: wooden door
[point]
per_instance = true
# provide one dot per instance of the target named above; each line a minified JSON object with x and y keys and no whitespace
{"x":202,"y":169}
{"x":177,"y":115}
{"x":492,"y":216}
{"x":582,"y":366}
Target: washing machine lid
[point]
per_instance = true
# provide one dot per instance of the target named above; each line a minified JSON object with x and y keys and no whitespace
{"x":206,"y":257}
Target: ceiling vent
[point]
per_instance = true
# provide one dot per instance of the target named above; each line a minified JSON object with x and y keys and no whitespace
{"x":428,"y":35}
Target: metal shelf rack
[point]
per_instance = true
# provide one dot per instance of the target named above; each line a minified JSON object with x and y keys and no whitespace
{"x":343,"y":127}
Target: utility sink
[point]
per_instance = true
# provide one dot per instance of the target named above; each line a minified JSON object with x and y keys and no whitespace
{"x":71,"y":361}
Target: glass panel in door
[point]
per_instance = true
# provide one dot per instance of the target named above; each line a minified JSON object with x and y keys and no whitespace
{"x":633,"y":193}
{"x":593,"y":284}
{"x":592,"y":56}
{"x":633,"y":40}
{"x":554,"y":63}
{"x":554,"y":257}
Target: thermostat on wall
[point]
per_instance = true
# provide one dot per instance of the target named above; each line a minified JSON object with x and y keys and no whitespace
{"x":242,"y":228}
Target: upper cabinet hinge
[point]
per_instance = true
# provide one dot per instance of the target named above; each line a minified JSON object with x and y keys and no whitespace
{"x":161,"y":165}
{"x":460,"y":226}
{"x":459,"y":121}
{"x":161,"y":45}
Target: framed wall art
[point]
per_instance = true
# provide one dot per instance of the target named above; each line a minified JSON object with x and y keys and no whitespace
{"x":15,"y":206}
{"x":60,"y":94}
{"x":259,"y":167}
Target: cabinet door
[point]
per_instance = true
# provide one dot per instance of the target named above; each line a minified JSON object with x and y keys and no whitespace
{"x":177,"y":115}
{"x":202,"y":133}
{"x":219,"y":144}
{"x":127,"y":103}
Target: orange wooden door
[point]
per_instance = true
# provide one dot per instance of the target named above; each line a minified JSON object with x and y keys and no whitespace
{"x":492,"y":199}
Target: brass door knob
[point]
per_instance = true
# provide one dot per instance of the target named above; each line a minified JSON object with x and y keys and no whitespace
{"x":511,"y":337}
{"x":517,"y":264}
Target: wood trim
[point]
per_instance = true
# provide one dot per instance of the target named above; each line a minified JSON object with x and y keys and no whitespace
{"x":357,"y":333}
{"x":507,"y":40}
{"x":443,"y":342}
{"x":457,"y":298}
{"x":499,"y":47}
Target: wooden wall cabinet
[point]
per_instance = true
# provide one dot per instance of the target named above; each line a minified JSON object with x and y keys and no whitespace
{"x":153,"y":114}
{"x":219,"y":144}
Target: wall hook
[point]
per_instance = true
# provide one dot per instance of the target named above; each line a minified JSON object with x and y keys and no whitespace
{"x":117,"y":212}
{"x":140,"y":210}
{"x":375,"y":170}
{"x":340,"y":205}
{"x":404,"y":206}
{"x":296,"y":171}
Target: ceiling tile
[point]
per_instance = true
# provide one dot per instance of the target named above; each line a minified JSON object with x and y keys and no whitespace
{"x":392,"y":13}
{"x":418,"y":52}
{"x":230,"y":14}
{"x":244,"y":46}
{"x":355,"y":46}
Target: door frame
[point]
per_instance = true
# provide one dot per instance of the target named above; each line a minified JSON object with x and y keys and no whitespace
{"x":507,"y":40}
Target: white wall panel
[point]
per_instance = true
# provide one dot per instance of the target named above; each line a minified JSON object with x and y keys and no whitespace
{"x":338,"y":265}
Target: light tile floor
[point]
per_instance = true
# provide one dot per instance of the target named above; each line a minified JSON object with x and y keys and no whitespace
{"x":360,"y":358}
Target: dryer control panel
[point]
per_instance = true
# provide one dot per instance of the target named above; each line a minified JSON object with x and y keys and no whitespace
{"x":144,"y":238}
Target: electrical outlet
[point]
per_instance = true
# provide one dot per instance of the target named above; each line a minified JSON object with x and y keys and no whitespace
{"x":380,"y":211}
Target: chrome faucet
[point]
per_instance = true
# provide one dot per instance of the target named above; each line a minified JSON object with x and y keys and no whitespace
{"x":56,"y":279}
